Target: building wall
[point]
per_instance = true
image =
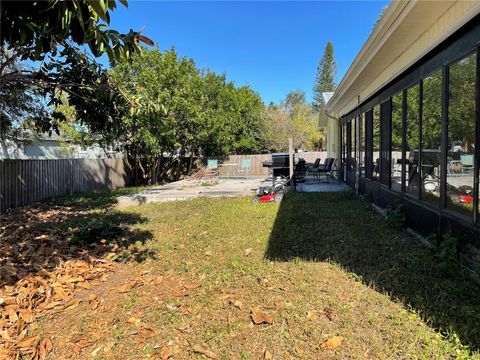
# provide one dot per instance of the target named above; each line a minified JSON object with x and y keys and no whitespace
{"x":439,"y":197}
{"x":50,"y":149}
{"x":425,"y":26}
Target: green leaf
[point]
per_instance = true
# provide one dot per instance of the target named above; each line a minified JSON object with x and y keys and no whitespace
{"x":99,"y":7}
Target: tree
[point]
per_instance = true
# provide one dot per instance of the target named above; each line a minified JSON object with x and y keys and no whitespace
{"x":178,"y":109}
{"x":34,"y":29}
{"x":326,"y":76}
{"x":293,"y":100}
{"x":294,"y":118}
{"x":38,"y":59}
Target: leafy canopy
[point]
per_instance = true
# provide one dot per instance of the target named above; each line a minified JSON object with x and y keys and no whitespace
{"x":39,"y":27}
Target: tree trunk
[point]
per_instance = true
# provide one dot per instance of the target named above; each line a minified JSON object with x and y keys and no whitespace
{"x":190,"y":163}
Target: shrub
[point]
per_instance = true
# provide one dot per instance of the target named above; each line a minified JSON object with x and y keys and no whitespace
{"x":395,"y":217}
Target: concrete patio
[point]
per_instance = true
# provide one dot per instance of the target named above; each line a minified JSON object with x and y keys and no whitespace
{"x":314,"y":185}
{"x":191,"y":189}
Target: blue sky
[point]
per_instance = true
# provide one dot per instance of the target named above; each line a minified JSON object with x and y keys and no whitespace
{"x":272,"y":46}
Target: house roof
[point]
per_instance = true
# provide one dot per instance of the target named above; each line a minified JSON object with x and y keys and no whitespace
{"x":405,"y":33}
{"x":30,"y":135}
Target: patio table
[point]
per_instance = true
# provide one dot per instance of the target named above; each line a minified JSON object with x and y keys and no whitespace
{"x":229,"y":166}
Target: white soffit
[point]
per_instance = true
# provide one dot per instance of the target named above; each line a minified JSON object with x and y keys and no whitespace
{"x":402,"y":25}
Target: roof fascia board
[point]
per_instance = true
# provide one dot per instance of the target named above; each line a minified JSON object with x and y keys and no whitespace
{"x":391,"y":19}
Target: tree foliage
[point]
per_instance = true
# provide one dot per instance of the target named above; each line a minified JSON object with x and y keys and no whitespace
{"x":37,"y":28}
{"x":326,"y":76}
{"x":168,"y":106}
{"x":295,"y":119}
{"x":39,"y":59}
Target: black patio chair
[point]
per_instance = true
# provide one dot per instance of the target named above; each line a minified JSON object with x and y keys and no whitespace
{"x":326,"y":168}
{"x":312,"y":167}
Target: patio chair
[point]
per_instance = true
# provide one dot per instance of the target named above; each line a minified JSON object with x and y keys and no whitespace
{"x":245,"y":167}
{"x":326,"y":168}
{"x":312,"y":168}
{"x":467,"y":162}
{"x":212,"y":167}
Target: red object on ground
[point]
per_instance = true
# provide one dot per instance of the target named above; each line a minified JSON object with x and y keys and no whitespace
{"x":267,"y":198}
{"x":465,"y":199}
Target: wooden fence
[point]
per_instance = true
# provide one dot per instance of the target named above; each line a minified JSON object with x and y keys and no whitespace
{"x":257,"y":168}
{"x":26,"y":181}
{"x":23,"y":182}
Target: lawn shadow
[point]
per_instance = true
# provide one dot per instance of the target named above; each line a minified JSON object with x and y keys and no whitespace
{"x":335,"y":227}
{"x":83,"y":226}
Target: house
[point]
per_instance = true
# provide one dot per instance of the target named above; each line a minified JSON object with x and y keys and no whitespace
{"x":32,"y":146}
{"x":408,"y":116}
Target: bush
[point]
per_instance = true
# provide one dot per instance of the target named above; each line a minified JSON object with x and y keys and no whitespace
{"x":446,"y":252}
{"x":395,"y":217}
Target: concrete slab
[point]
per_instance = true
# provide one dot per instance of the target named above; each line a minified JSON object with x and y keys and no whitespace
{"x":191,"y":189}
{"x":311,"y":185}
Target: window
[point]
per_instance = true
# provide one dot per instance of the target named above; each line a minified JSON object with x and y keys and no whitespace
{"x":376,"y":143}
{"x":385,"y":141}
{"x":411,"y":147}
{"x":353,"y":143}
{"x":361,"y":142}
{"x":396,"y":143}
{"x":431,"y":137}
{"x":461,"y":135}
{"x":344,"y":143}
{"x":348,"y":139}
{"x":369,"y":164}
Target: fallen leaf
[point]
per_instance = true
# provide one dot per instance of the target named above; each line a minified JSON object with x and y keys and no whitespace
{"x":158,"y":280}
{"x":193,"y":286}
{"x":95,"y":352}
{"x":236,"y":303}
{"x":5,"y":352}
{"x":45,"y":348}
{"x":208,"y":253}
{"x":127,"y":287}
{"x":165,"y":353}
{"x":202,"y":350}
{"x":259,"y":317}
{"x":278,"y":303}
{"x":311,"y":316}
{"x":267,"y":355}
{"x":26,"y":343}
{"x":72,"y":304}
{"x":92,"y":297}
{"x":185,"y":328}
{"x":248,"y":251}
{"x":330,"y":313}
{"x":134,"y":321}
{"x":332,"y":343}
{"x":84,"y":285}
{"x":184,"y":309}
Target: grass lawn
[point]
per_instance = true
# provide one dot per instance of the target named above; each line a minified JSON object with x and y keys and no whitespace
{"x":324,"y":276}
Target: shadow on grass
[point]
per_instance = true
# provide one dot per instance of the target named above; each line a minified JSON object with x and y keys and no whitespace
{"x":334,"y":227}
{"x":82,"y":226}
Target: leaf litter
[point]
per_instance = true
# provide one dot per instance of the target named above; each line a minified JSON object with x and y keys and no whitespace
{"x":40,"y":273}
